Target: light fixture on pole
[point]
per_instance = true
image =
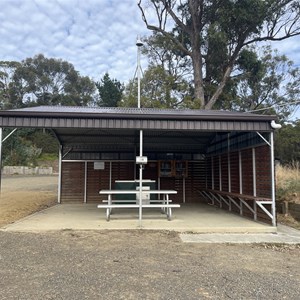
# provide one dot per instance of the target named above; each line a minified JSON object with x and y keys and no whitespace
{"x":139,"y":44}
{"x":140,"y":160}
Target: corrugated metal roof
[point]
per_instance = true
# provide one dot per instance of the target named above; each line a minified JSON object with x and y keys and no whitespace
{"x":118,"y":128}
{"x":135,"y":113}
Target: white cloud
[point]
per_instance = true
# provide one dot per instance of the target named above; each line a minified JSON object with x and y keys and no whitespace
{"x":95,"y":36}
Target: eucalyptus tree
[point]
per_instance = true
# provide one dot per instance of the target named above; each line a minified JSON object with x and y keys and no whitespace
{"x":212,"y":35}
{"x":50,"y":81}
{"x":9,"y":96}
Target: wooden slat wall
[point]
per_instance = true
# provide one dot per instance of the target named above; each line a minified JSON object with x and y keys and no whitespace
{"x":96,"y":180}
{"x":123,"y":171}
{"x":99,"y":179}
{"x":199,"y":177}
{"x":216,"y":173}
{"x":234,"y":172}
{"x":72,"y":188}
{"x":195,"y":181}
{"x":224,"y":172}
{"x":247,"y":172}
{"x":263,"y":171}
{"x":208,"y":173}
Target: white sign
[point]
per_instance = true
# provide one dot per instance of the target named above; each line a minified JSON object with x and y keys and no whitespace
{"x":99,"y":165}
{"x":141,"y":160}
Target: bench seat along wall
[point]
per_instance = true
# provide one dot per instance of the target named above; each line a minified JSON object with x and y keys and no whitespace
{"x":245,"y":171}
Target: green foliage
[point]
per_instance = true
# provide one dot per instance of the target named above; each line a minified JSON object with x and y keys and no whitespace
{"x":263,"y":79}
{"x":25,"y":146}
{"x":287,"y":143}
{"x":214,"y":39}
{"x":160,"y":89}
{"x":8,"y":92}
{"x":45,"y":141}
{"x":43,"y":81}
{"x":110,"y":91}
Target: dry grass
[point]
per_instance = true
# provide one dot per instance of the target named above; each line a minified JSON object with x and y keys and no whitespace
{"x":288,"y":182}
{"x":288,"y":189}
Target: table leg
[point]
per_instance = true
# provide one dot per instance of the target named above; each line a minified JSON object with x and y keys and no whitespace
{"x":168,"y":209}
{"x":110,"y":202}
{"x":107,"y":214}
{"x":163,"y":209}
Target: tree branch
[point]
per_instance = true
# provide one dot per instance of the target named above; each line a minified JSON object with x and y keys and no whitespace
{"x":162,"y":31}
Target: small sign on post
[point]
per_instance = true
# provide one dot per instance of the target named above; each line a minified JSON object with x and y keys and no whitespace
{"x":141,"y":160}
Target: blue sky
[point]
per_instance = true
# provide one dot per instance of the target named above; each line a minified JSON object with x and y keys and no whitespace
{"x":96,"y":36}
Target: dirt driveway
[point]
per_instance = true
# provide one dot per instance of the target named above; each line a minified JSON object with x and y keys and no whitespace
{"x":24,"y":195}
{"x":142,"y":265}
{"x":134,"y":264}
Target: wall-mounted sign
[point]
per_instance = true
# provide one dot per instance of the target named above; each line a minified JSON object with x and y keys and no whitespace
{"x":99,"y":165}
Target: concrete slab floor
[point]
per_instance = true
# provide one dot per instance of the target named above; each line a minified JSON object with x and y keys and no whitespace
{"x":195,"y":218}
{"x":284,"y":235}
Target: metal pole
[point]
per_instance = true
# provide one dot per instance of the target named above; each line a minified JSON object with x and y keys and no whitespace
{"x":110,"y":174}
{"x":85,"y":182}
{"x":0,"y":157}
{"x":240,"y":172}
{"x":273,"y":179}
{"x":139,"y":44}
{"x":254,"y":171}
{"x":59,"y":173}
{"x":183,"y":188}
{"x":229,"y":164}
{"x":9,"y":135}
{"x":220,"y":174}
{"x":212,"y":174}
{"x":141,"y":179}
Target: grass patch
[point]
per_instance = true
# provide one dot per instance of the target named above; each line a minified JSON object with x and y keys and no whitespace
{"x":48,"y":157}
{"x":288,"y":189}
{"x":288,"y":182}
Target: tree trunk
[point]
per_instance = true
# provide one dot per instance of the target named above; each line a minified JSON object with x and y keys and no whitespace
{"x":198,"y":78}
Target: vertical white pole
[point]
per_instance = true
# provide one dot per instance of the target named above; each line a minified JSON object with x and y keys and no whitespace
{"x":240,"y":172}
{"x":254,"y":182}
{"x":110,"y":174}
{"x":59,"y":173}
{"x":183,"y":188}
{"x":241,"y":180}
{"x":141,"y":179}
{"x":139,"y":44}
{"x":85,"y":182}
{"x":273,"y":179}
{"x":212,"y":174}
{"x":229,"y":166}
{"x":1,"y":132}
{"x":254,"y":171}
{"x":220,"y":174}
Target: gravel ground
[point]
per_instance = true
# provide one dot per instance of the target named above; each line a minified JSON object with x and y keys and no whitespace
{"x":24,"y":195}
{"x":142,"y":265}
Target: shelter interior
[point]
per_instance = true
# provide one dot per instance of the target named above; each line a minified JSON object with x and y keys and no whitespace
{"x":223,"y":158}
{"x":193,"y":163}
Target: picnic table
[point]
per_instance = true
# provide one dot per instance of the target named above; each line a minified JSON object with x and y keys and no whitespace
{"x":164,"y":204}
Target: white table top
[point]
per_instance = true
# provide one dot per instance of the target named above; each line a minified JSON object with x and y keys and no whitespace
{"x":117,"y":192}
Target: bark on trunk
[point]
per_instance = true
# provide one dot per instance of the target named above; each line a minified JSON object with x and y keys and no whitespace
{"x":198,"y":78}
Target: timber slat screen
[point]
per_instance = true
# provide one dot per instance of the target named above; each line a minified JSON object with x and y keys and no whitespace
{"x":72,"y":182}
{"x":243,"y":171}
